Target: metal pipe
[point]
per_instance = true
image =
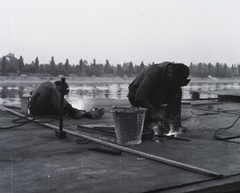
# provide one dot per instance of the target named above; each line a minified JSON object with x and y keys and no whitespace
{"x":61,"y":104}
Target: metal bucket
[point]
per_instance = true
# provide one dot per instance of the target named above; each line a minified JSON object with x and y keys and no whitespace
{"x":128,"y":123}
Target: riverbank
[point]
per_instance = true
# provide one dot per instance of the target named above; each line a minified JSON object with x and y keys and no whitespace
{"x":74,"y":80}
{"x":104,"y":80}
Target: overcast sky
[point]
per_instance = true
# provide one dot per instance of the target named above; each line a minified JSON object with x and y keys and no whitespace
{"x":121,"y":30}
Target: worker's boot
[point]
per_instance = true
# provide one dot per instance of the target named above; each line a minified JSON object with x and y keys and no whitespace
{"x":73,"y":112}
{"x":95,"y":113}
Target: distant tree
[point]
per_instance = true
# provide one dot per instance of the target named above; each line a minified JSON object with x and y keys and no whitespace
{"x":194,"y":70}
{"x":142,"y":65}
{"x":130,"y":67}
{"x":67,"y":66}
{"x":107,"y":67}
{"x":60,"y":68}
{"x":100,"y":70}
{"x":136,"y":69}
{"x":237,"y":70}
{"x":30,"y":68}
{"x":125,"y":68}
{"x":93,"y":69}
{"x":200,"y":73}
{"x":218,"y":70}
{"x":96,"y":69}
{"x":81,"y":67}
{"x":52,"y":64}
{"x":12,"y":63}
{"x":210,"y":67}
{"x":191,"y":66}
{"x":225,"y":71}
{"x":88,"y":70}
{"x":232,"y":68}
{"x":4,"y":64}
{"x":36,"y":65}
{"x":204,"y":70}
{"x":20,"y":64}
{"x":85,"y":62}
{"x":41,"y":68}
{"x":119,"y":71}
{"x":46,"y":68}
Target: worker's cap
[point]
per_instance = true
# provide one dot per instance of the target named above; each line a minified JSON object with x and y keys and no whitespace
{"x":180,"y":71}
{"x":59,"y":86}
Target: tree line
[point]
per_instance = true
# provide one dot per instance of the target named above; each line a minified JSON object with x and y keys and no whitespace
{"x":218,"y":70}
{"x":10,"y":64}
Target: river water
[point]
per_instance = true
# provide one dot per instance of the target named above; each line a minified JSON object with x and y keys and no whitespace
{"x":11,"y":93}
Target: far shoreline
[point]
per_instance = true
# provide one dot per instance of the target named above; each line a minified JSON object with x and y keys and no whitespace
{"x":105,"y":80}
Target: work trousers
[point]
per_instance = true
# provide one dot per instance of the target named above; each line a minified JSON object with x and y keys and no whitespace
{"x":47,"y":103}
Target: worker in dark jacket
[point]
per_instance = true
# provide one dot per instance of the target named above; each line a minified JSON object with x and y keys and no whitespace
{"x":158,"y":85}
{"x":45,"y":100}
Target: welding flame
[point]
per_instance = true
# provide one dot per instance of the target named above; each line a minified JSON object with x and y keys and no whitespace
{"x":172,"y":132}
{"x":167,"y":132}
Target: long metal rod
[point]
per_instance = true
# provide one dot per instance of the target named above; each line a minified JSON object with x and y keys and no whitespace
{"x":129,"y":150}
{"x":61,"y":104}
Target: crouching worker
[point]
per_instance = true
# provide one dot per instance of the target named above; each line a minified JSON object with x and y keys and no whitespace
{"x":45,"y":100}
{"x":158,"y":88}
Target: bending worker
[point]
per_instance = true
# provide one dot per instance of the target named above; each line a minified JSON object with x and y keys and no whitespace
{"x":45,"y":100}
{"x":155,"y":86}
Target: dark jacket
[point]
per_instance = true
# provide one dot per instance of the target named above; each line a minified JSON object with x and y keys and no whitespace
{"x":149,"y":79}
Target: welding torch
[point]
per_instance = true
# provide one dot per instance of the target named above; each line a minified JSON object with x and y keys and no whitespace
{"x":170,"y":136}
